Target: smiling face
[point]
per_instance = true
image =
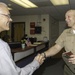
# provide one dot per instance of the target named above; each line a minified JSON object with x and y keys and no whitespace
{"x":4,"y":17}
{"x":70,"y":18}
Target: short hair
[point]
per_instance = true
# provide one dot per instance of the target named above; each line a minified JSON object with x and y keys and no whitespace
{"x":3,"y":4}
{"x":72,"y":10}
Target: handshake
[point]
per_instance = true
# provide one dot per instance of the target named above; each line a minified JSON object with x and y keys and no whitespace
{"x":40,"y":58}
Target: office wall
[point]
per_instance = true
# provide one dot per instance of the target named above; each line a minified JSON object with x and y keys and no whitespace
{"x":44,"y":23}
{"x":50,"y":27}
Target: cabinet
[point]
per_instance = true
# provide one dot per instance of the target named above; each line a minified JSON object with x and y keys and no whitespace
{"x":19,"y":53}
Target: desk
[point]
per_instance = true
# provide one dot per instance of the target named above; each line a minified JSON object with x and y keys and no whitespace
{"x":19,"y":53}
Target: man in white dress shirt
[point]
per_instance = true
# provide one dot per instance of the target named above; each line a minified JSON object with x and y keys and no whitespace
{"x":7,"y":65}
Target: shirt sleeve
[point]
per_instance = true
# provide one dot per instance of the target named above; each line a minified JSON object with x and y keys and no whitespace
{"x":28,"y":69}
{"x":8,"y":66}
{"x":61,"y":39}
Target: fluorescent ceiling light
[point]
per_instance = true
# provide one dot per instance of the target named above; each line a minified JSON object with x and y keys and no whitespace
{"x":24,"y":3}
{"x":59,"y":2}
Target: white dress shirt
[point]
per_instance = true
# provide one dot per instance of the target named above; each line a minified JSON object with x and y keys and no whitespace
{"x":7,"y":65}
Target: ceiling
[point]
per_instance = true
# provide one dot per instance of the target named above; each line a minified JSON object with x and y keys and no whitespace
{"x":45,"y":7}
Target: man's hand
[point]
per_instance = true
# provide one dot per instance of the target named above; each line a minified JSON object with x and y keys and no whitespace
{"x":39,"y":58}
{"x":70,"y":56}
{"x":72,"y":59}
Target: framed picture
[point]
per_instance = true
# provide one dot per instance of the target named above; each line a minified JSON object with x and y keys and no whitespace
{"x":32,"y":31}
{"x":32,"y":27}
{"x":32,"y":24}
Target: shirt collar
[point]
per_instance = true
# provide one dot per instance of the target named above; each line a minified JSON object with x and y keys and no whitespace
{"x":70,"y":31}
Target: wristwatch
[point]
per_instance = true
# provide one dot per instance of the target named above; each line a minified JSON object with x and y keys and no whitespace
{"x":44,"y":55}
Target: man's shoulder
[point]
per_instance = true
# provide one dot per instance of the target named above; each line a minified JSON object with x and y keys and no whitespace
{"x":2,"y":43}
{"x":67,"y":30}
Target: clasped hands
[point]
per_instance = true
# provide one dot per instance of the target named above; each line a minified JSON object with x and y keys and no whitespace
{"x":40,"y":58}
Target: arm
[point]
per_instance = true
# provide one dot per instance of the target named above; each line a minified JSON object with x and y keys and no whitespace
{"x":72,"y":59}
{"x":8,"y":67}
{"x":53,"y":50}
{"x":30,"y":68}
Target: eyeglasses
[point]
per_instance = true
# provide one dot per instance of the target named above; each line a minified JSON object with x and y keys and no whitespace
{"x":6,"y":15}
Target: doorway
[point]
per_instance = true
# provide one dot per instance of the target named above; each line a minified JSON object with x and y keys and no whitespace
{"x":17,"y":31}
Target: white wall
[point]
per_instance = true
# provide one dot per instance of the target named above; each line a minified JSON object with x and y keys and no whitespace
{"x":46,"y":25}
{"x":34,"y":18}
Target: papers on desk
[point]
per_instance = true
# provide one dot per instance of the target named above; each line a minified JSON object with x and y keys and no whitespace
{"x":33,"y":45}
{"x":37,"y":43}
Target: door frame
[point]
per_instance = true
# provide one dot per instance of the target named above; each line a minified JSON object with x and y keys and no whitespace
{"x":12,"y":29}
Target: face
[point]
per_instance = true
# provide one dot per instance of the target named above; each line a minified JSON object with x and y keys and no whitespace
{"x":4,"y":18}
{"x":70,"y":18}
